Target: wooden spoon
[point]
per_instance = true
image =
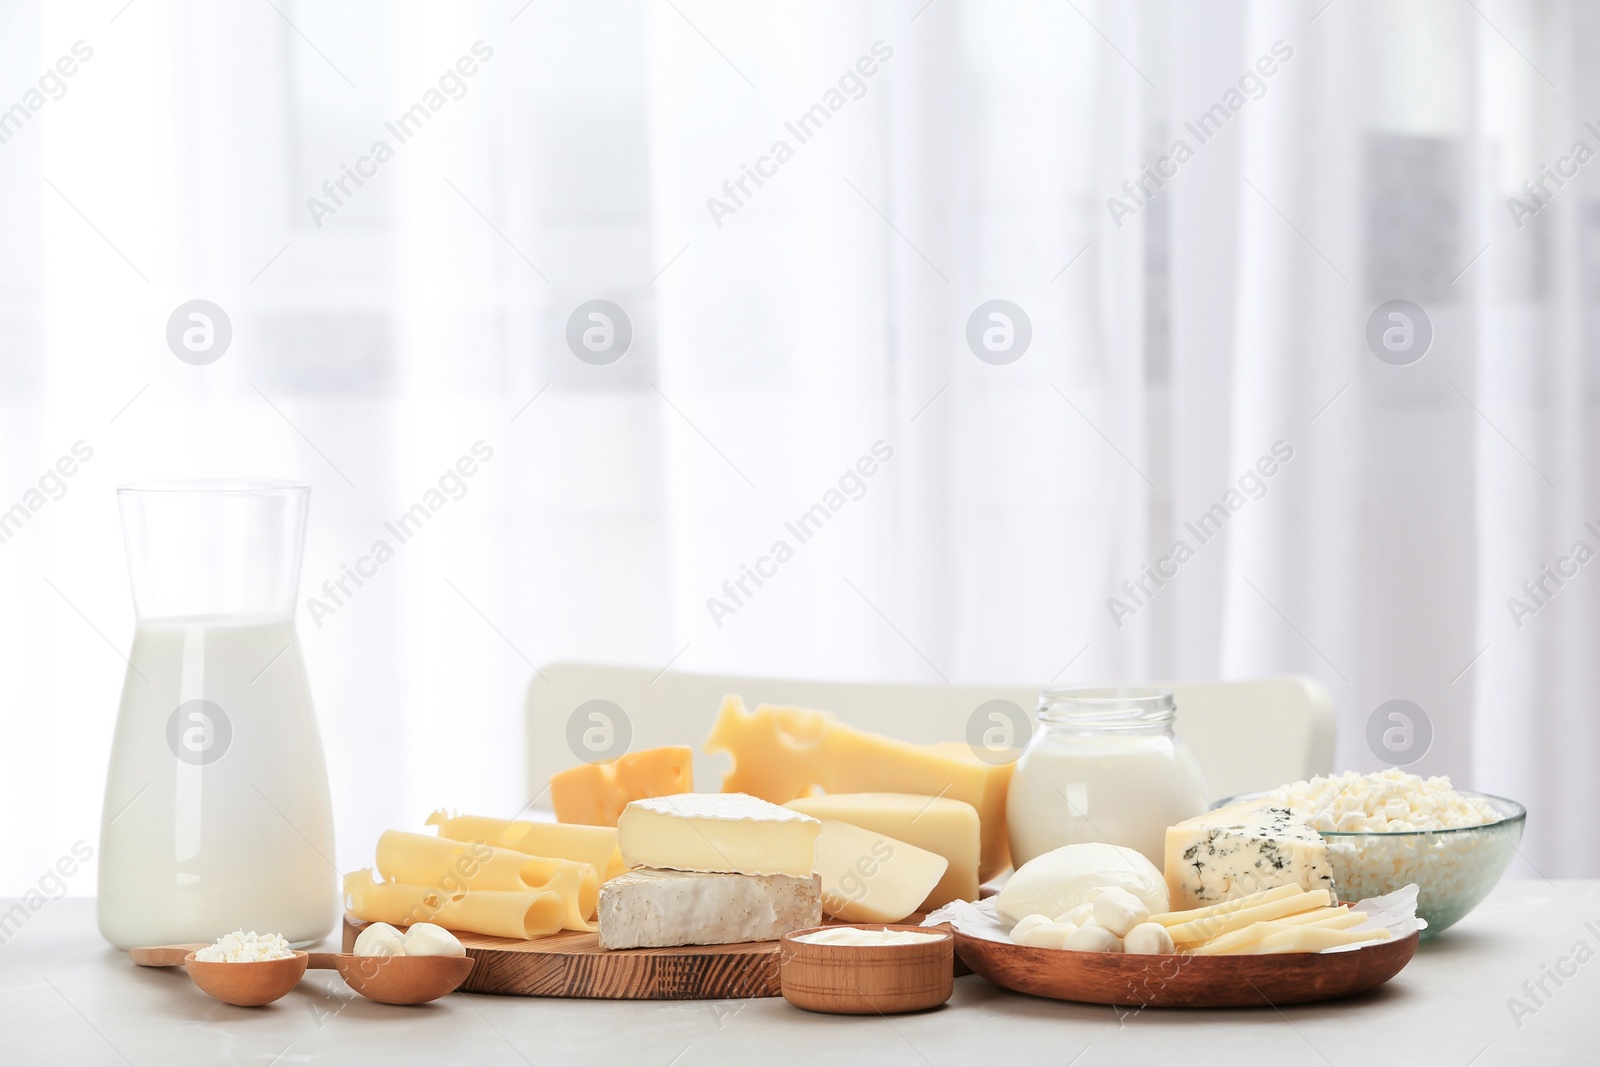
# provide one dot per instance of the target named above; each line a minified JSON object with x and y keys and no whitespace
{"x":399,"y":979}
{"x":249,"y":985}
{"x":162,"y":955}
{"x":385,"y":979}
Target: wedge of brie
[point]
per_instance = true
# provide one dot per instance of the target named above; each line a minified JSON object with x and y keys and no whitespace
{"x":648,"y":908}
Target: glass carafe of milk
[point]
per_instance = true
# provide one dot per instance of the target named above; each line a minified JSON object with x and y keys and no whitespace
{"x":216,"y":814}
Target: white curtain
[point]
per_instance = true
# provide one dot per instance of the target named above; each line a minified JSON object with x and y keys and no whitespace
{"x":1183,"y":342}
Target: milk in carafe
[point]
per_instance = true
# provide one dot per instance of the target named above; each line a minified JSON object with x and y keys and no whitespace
{"x":216,"y":813}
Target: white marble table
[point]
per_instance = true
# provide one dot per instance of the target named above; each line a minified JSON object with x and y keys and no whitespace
{"x":66,"y":998}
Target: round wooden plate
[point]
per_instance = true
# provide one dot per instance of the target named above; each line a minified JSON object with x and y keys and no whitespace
{"x":1178,"y":981}
{"x":574,"y":965}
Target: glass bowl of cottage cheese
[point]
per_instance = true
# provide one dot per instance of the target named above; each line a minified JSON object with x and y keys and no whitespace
{"x":1390,"y":829}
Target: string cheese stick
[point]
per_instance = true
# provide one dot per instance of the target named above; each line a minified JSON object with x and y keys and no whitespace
{"x":1339,"y":918}
{"x":1174,"y":918}
{"x":1237,"y":940}
{"x":1314,"y":939}
{"x":1206,"y":929}
{"x":594,"y":845}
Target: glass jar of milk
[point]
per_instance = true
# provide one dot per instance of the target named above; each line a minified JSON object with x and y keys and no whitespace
{"x":1104,"y":765}
{"x":216,"y":812}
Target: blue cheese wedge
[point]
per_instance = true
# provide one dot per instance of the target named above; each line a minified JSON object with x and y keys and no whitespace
{"x":1243,"y":849}
{"x":647,"y":908}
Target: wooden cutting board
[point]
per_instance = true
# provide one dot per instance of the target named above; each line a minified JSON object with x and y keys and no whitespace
{"x":574,"y":965}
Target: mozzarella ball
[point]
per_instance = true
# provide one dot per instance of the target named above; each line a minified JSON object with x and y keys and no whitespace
{"x":1148,"y":939}
{"x":426,"y":939}
{"x":1048,"y":935}
{"x":1119,"y":910}
{"x":1093,"y":938}
{"x":380,"y":939}
{"x":1059,"y":881}
{"x":1077,"y":916}
{"x":1019,"y":931}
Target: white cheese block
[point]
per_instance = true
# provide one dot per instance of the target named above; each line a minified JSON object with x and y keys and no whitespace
{"x":647,"y":908}
{"x":728,"y":833}
{"x":1243,"y":849}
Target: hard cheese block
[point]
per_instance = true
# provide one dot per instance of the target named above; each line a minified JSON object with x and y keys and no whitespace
{"x":937,"y":824}
{"x":648,"y":908}
{"x":870,"y":877}
{"x":782,"y":754}
{"x":595,"y":793}
{"x":1242,"y":849}
{"x":728,"y":833}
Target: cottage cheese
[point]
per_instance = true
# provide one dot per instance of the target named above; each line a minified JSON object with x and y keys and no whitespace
{"x":1447,"y":867}
{"x":240,"y":947}
{"x":1390,"y":801}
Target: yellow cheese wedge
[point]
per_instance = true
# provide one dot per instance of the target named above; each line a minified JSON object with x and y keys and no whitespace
{"x":1174,"y":918}
{"x":937,"y":824}
{"x":781,"y":754}
{"x":594,"y":794}
{"x":1216,"y":925}
{"x":594,"y":845}
{"x":870,"y":877}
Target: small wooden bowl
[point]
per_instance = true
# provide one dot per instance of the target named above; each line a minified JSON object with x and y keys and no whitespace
{"x":248,"y":985}
{"x":867,"y":979}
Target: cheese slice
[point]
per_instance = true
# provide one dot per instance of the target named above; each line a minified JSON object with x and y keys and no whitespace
{"x":1243,"y":849}
{"x":868,"y":877}
{"x":647,"y":908}
{"x":937,"y":824}
{"x":458,"y":868}
{"x":781,"y":754}
{"x":519,"y":914}
{"x":594,"y":845}
{"x":727,"y":833}
{"x":594,"y":794}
